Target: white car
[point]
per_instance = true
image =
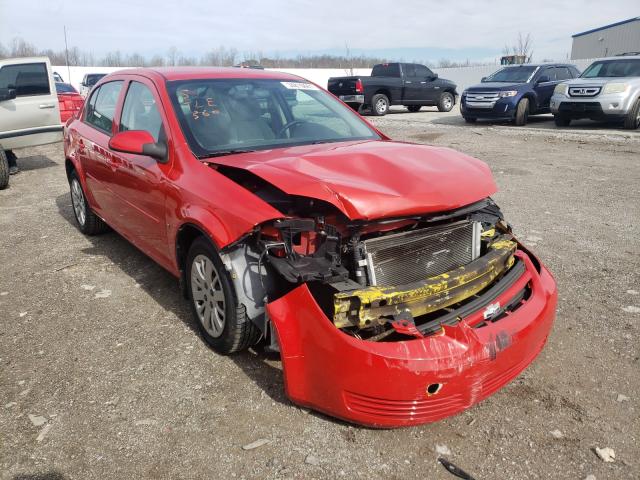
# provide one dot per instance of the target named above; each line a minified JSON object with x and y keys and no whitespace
{"x":29,"y":111}
{"x":88,"y":81}
{"x":608,"y":90}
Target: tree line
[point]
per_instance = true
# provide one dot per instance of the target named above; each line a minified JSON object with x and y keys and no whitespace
{"x":220,"y":56}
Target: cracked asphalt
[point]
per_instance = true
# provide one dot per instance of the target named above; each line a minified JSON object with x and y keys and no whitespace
{"x":102,"y":373}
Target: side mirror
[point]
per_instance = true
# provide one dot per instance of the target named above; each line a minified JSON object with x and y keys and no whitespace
{"x":139,"y":142}
{"x":7,"y":94}
{"x":543,"y":79}
{"x":431,"y":78}
{"x":483,"y":79}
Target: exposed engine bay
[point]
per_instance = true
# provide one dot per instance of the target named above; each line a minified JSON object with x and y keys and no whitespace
{"x":382,"y":280}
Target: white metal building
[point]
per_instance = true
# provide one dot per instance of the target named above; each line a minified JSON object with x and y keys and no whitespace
{"x":607,"y":41}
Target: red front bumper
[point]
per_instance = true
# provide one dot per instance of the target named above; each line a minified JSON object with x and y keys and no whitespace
{"x":385,"y":384}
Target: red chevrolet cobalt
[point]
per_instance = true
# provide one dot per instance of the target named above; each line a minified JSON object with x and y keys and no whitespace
{"x":382,"y":271}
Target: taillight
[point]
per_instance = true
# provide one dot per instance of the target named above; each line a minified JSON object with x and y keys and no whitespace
{"x":359,"y":87}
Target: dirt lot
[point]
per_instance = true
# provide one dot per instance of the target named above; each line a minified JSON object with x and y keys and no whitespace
{"x":102,"y":374}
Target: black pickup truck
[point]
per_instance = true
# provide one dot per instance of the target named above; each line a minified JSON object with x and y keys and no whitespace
{"x":408,"y":84}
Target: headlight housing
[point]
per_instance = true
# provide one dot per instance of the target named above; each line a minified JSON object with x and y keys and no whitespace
{"x":508,"y":93}
{"x":561,"y":89}
{"x":615,"y":88}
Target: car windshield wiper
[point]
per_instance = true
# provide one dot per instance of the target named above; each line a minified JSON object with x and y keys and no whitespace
{"x":222,"y":153}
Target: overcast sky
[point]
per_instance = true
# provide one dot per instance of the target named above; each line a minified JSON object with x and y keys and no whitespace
{"x":411,"y":29}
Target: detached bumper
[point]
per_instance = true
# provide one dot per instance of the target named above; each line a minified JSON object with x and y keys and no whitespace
{"x":392,"y":384}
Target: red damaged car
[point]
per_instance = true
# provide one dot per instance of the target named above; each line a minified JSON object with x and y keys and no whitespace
{"x":382,"y":271}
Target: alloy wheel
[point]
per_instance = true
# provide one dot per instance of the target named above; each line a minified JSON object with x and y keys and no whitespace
{"x":207,"y":294}
{"x":78,"y":202}
{"x":381,"y":105}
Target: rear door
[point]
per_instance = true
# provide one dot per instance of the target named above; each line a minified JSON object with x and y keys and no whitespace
{"x":33,"y":117}
{"x":93,"y":136}
{"x":139,"y":180}
{"x":412,"y":92}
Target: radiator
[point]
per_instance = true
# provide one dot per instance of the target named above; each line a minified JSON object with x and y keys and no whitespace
{"x":407,"y":257}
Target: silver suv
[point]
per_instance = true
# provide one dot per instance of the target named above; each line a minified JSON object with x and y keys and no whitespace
{"x":609,"y":90}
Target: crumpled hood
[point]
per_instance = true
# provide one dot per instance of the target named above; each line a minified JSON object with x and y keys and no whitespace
{"x":373,"y":179}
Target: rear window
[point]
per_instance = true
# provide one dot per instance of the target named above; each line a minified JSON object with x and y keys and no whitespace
{"x":92,"y":78}
{"x":386,"y":70}
{"x":27,"y":79}
{"x":64,"y":88}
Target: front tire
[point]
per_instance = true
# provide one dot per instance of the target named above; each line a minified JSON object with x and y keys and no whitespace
{"x":88,"y":222}
{"x":4,"y":170}
{"x":632,"y":120}
{"x":414,"y":108}
{"x":522,"y":112}
{"x":221,"y":320}
{"x":380,"y":104}
{"x":561,"y":120}
{"x":446,"y":102}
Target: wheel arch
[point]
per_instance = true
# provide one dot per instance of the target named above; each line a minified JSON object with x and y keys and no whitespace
{"x":385,"y":92}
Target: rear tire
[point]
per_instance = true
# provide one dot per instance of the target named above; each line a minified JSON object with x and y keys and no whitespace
{"x":214,"y":304}
{"x":522,"y":112}
{"x":4,"y":170}
{"x":414,"y":108}
{"x":446,"y":102}
{"x":561,"y":120}
{"x":470,"y":119}
{"x":88,"y":222}
{"x":632,"y":120}
{"x":379,"y":105}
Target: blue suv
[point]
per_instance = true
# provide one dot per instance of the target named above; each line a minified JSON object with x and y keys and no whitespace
{"x":515,"y":92}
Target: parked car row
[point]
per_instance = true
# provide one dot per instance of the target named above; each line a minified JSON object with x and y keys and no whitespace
{"x":608,"y":90}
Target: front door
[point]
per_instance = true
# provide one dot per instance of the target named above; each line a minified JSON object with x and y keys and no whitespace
{"x":544,"y":90}
{"x":139,"y":180}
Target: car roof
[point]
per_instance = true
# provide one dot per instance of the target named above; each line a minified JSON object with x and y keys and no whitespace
{"x":189,"y":73}
{"x":541,"y":65}
{"x":619,"y":58}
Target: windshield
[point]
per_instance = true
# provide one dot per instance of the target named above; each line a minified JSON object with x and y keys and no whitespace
{"x":64,"y":88}
{"x":512,"y":74}
{"x":613,"y":68}
{"x":224,"y":116}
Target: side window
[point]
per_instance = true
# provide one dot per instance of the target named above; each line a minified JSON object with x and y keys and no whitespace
{"x":547,"y":72}
{"x":563,"y":73}
{"x":409,"y":70}
{"x":27,"y":79}
{"x":423,"y":72}
{"x":102,"y":106}
{"x":140,"y":111}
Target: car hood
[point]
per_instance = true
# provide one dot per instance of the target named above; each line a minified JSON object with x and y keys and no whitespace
{"x":598,"y":81}
{"x":372,"y":179}
{"x":493,"y":86}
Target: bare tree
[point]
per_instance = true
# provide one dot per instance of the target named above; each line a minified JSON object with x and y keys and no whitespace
{"x":172,"y":56}
{"x":523,"y":46}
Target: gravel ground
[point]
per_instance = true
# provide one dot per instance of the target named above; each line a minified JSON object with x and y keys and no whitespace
{"x":102,"y":374}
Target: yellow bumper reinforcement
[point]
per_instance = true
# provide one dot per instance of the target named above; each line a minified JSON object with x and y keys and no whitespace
{"x":377,"y":305}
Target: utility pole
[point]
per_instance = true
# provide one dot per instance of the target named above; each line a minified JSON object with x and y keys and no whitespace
{"x":66,"y":54}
